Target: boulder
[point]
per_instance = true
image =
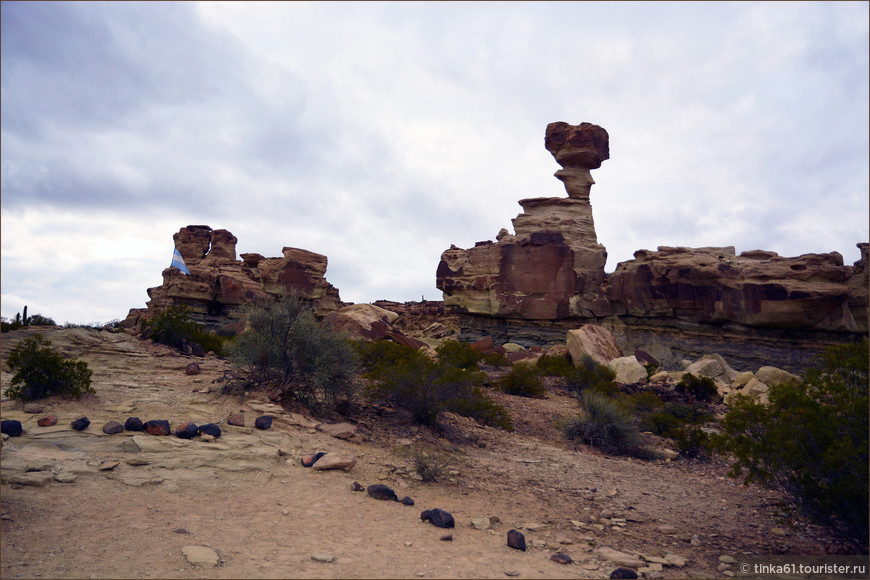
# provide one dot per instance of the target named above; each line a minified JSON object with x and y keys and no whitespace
{"x":134,"y":424}
{"x":362,"y":321}
{"x":187,"y":430}
{"x":264,"y":422}
{"x":775,"y":376}
{"x":438,"y":517}
{"x":628,"y":370}
{"x":382,"y":492}
{"x":11,"y":427}
{"x":210,"y":429}
{"x":113,"y":428}
{"x":714,"y":367}
{"x":80,"y":424}
{"x":516,"y":540}
{"x":594,"y":341}
{"x":157,"y":427}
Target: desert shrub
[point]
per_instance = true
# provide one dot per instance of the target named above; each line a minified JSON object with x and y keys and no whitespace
{"x":495,"y":359}
{"x":285,"y":348}
{"x":692,"y":441}
{"x":173,"y":327}
{"x":475,"y":404}
{"x":699,"y":388}
{"x":425,"y":387}
{"x":642,"y":402}
{"x":41,"y":372}
{"x":811,"y":441}
{"x":458,"y":354}
{"x":554,"y":366}
{"x":523,"y":380}
{"x":672,"y":417}
{"x":430,"y":463}
{"x":605,"y":425}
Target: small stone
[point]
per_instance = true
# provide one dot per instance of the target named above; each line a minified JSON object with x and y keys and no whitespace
{"x":695,"y":541}
{"x":675,"y":560}
{"x":309,"y":460}
{"x":47,"y":421}
{"x":134,"y":424}
{"x":532,"y":526}
{"x":180,"y":531}
{"x":447,"y":538}
{"x":723,"y":566}
{"x":137,"y":461}
{"x":237,"y":420}
{"x":65,"y":477}
{"x":112,"y":428}
{"x":186,"y":430}
{"x":157,"y":427}
{"x":480,"y":523}
{"x":108,"y":465}
{"x":624,"y":573}
{"x":210,"y":429}
{"x":357,"y":486}
{"x":561,"y":558}
{"x":728,"y":573}
{"x":516,"y":540}
{"x":726,"y":559}
{"x":201,"y":556}
{"x":11,"y":427}
{"x":407,"y":501}
{"x":511,"y":573}
{"x":80,"y":424}
{"x":33,"y":408}
{"x":338,"y":430}
{"x":778,"y":532}
{"x":612,"y":492}
{"x":325,"y":558}
{"x":333,"y":461}
{"x":192,"y":369}
{"x":620,"y":558}
{"x":564,"y":540}
{"x":382,"y":492}
{"x":264,"y":422}
{"x":207,"y":438}
{"x":667,"y":529}
{"x":438,"y":517}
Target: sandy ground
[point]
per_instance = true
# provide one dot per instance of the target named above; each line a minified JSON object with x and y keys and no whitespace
{"x":247,"y":498}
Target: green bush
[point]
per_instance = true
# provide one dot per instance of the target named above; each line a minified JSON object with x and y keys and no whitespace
{"x":588,"y":375}
{"x":554,"y":366}
{"x":642,"y":402}
{"x":458,"y":354}
{"x":811,"y":441}
{"x":672,"y":417}
{"x":173,"y":327}
{"x":40,"y":372}
{"x":605,"y":425}
{"x":286,"y":349}
{"x":699,"y":388}
{"x":425,"y":387}
{"x":523,"y":380}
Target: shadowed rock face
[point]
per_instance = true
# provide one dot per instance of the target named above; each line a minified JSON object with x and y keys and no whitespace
{"x":218,"y":283}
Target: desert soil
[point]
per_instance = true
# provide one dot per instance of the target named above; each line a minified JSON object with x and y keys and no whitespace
{"x":247,"y":497}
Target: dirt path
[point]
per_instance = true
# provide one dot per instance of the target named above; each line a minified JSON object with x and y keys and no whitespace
{"x":247,"y":497}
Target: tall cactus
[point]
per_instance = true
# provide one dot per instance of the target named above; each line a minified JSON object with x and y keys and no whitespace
{"x":24,"y":316}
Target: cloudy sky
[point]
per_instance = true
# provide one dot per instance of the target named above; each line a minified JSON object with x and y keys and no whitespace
{"x":380,"y":133}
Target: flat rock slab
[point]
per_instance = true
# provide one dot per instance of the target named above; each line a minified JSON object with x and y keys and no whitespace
{"x":620,"y":558}
{"x":34,"y":478}
{"x":331,"y":461}
{"x":337,"y":430}
{"x":201,"y":556}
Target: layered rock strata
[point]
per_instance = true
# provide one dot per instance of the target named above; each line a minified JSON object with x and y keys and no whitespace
{"x":219,"y":283}
{"x":548,"y":277}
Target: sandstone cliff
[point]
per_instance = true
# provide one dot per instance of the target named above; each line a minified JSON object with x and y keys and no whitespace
{"x":548,"y":277}
{"x":218,"y":283}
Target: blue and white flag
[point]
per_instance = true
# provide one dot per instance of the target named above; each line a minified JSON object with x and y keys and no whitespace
{"x":178,"y":262}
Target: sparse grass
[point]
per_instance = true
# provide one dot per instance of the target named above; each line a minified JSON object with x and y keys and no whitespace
{"x":429,"y":462}
{"x":605,"y":425}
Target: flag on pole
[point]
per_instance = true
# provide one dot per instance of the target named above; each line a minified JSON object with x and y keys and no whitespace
{"x":178,"y":262}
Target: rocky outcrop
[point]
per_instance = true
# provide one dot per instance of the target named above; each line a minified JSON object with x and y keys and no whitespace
{"x":756,"y":289}
{"x":548,"y":278}
{"x":219,"y":283}
{"x":553,"y":266}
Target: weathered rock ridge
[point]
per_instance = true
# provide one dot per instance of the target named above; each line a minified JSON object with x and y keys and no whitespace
{"x":549,"y":276}
{"x":218,"y":283}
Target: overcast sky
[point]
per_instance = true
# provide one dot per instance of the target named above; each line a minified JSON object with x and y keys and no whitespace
{"x":379,"y":134}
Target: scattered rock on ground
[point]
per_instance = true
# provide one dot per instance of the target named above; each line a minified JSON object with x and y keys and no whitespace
{"x":201,"y":556}
{"x":333,"y":461}
{"x":192,"y":369}
{"x":438,"y":517}
{"x":516,"y":540}
{"x":382,"y":492}
{"x":157,"y":427}
{"x":33,"y":408}
{"x":80,"y":424}
{"x":32,"y":478}
{"x":264,"y":422}
{"x":236,"y":419}
{"x":210,"y":429}
{"x":311,"y":459}
{"x":187,"y":430}
{"x":624,"y":573}
{"x":357,"y":486}
{"x":325,"y":558}
{"x":481,"y":523}
{"x":47,"y":421}
{"x":11,"y":427}
{"x":338,"y":430}
{"x":561,"y":558}
{"x":112,"y":428}
{"x":407,"y":501}
{"x":134,"y":424}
